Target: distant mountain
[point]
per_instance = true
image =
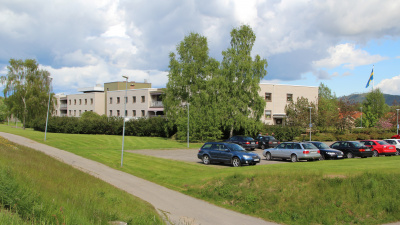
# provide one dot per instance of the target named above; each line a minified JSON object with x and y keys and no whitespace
{"x":389,"y":99}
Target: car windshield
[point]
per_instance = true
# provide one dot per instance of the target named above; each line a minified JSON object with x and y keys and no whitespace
{"x":308,"y":146}
{"x":382,"y":142}
{"x":248,"y":139}
{"x":235,"y":147}
{"x":391,"y":142}
{"x":321,"y":145}
{"x":358,"y":144}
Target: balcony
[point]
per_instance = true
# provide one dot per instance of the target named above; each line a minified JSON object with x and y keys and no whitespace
{"x":63,"y":106}
{"x":156,"y":104}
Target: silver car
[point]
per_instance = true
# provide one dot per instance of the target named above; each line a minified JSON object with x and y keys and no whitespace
{"x":294,"y":151}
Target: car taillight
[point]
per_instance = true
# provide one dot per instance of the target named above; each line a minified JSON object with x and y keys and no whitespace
{"x":362,"y":150}
{"x":247,"y":143}
{"x":270,"y":142}
{"x":318,"y":151}
{"x":306,"y":152}
{"x":256,"y":142}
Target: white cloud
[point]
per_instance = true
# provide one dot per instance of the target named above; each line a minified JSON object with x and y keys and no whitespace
{"x":348,"y":56}
{"x":93,"y":41}
{"x":390,"y":86}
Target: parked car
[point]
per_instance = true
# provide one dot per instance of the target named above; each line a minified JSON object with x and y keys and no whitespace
{"x":294,"y":151}
{"x":244,"y":141}
{"x":380,"y":147}
{"x":267,"y":142}
{"x":353,"y":148}
{"x":327,"y":152}
{"x":395,"y":142}
{"x":396,"y":136}
{"x":229,"y":153}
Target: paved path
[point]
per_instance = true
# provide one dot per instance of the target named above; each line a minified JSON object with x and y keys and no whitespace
{"x":180,"y":208}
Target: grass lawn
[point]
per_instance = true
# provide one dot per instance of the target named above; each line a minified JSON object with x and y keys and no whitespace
{"x":37,"y":189}
{"x":349,"y":191}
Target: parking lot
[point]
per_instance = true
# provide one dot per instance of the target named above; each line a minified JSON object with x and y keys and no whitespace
{"x":190,"y":155}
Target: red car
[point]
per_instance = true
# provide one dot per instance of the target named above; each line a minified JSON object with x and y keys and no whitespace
{"x":380,"y":147}
{"x":396,"y":136}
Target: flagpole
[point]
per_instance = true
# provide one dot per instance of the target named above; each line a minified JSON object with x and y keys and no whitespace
{"x":373,"y":80}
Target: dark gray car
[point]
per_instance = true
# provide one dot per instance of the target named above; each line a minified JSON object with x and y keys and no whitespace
{"x":228,"y":153}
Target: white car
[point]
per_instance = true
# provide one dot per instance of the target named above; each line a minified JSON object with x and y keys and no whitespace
{"x":395,"y":142}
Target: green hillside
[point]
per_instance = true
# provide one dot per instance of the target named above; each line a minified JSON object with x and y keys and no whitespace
{"x":389,"y":99}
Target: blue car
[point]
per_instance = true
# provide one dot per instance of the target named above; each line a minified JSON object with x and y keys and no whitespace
{"x":228,"y":153}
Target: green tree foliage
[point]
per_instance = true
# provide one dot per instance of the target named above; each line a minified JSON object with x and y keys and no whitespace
{"x":3,"y":110}
{"x":241,"y":75}
{"x":347,"y":110}
{"x":190,"y":83}
{"x":328,"y":113}
{"x":374,"y":107}
{"x":26,"y":90}
{"x":298,"y":112}
{"x":219,"y":98}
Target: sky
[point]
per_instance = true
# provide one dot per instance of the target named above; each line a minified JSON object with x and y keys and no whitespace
{"x":306,"y":42}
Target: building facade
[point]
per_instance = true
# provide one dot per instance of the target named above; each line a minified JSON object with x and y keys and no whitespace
{"x":142,"y":101}
{"x":277,"y":96}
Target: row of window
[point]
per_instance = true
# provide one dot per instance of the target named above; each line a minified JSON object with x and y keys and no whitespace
{"x":126,"y":99}
{"x":126,"y":113}
{"x":80,"y":101}
{"x":268,"y":97}
{"x":79,"y":112}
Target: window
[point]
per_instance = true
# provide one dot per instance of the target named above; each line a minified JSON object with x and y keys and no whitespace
{"x":142,"y":113}
{"x":118,"y":100}
{"x":80,"y":101}
{"x":91,"y":101}
{"x":267,"y":114}
{"x":110,"y":112}
{"x":126,"y":99}
{"x":289,"y":97}
{"x":126,"y":112}
{"x":110,"y":100}
{"x":70,"y":112}
{"x":134,"y":112}
{"x":74,"y":112}
{"x":70,"y":102}
{"x":85,"y":101}
{"x":133,"y":99}
{"x":143,"y":98}
{"x":74,"y":101}
{"x":268,"y":97}
{"x":80,"y":112}
{"x":118,"y":113}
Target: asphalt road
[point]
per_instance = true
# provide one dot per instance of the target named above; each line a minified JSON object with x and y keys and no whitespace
{"x":179,"y":208}
{"x":190,"y":155}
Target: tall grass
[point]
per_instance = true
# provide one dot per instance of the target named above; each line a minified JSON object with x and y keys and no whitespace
{"x":42,"y":190}
{"x":349,"y":191}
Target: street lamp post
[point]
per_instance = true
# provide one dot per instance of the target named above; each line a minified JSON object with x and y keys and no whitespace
{"x":123,"y":128}
{"x":361,"y":117}
{"x":397,"y":121}
{"x":310,"y":122}
{"x":48,"y":108}
{"x":188,"y":104}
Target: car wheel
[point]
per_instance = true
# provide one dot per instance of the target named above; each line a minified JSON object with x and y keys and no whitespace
{"x":397,"y":152}
{"x":236,"y":162}
{"x":376,"y":154}
{"x":262,"y":147}
{"x":322,"y":157}
{"x":206,"y":159}
{"x":268,"y":156}
{"x":350,"y":155}
{"x":293,"y":158}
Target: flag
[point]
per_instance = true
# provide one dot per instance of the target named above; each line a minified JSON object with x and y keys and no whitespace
{"x":371,"y":77}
